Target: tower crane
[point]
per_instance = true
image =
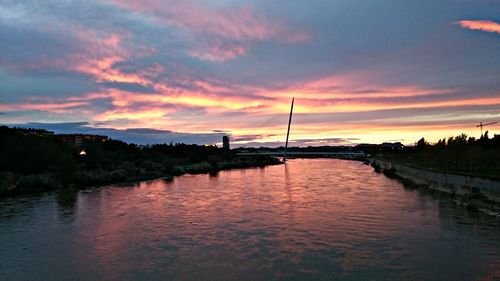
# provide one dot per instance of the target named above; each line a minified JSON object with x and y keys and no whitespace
{"x":481,"y":125}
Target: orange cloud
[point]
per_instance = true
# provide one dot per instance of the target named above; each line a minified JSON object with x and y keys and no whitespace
{"x":172,"y":97}
{"x":103,"y":52}
{"x":354,"y":93}
{"x":129,"y":114}
{"x":196,"y":106}
{"x":180,"y":107}
{"x":326,"y":106}
{"x":483,"y":25}
{"x":103,"y":71}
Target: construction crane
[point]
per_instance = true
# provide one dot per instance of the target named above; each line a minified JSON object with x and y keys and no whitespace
{"x":481,"y":125}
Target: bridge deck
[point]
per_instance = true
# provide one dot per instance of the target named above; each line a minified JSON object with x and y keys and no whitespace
{"x":304,"y":153}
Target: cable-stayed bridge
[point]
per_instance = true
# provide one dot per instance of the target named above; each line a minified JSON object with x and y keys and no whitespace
{"x":307,"y":154}
{"x":302,"y":154}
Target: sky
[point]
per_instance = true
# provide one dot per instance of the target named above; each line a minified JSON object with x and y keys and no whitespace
{"x":150,"y":71}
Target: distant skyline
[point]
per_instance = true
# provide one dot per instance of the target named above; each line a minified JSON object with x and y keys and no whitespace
{"x":149,"y":71}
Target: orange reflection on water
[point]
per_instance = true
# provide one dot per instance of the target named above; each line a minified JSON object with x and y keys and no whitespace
{"x":314,"y":217}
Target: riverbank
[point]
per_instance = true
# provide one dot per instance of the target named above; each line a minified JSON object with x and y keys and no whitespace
{"x":473,"y":192}
{"x":35,"y":161}
{"x":12,"y":184}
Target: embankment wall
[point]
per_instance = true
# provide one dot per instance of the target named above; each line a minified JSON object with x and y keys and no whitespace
{"x":471,"y":191}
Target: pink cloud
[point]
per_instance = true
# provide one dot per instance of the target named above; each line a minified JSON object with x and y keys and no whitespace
{"x":217,"y":34}
{"x":358,"y":92}
{"x":97,"y":54}
{"x":483,"y":25}
{"x":52,"y":107}
{"x":103,"y":52}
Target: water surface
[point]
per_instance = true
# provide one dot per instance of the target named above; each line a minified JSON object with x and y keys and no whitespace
{"x":314,"y":219}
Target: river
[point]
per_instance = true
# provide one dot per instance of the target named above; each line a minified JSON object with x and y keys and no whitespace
{"x":311,"y":219}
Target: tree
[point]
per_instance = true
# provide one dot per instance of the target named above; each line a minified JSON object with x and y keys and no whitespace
{"x":461,"y":139}
{"x":485,"y":136}
{"x":422,"y":143}
{"x":441,"y":143}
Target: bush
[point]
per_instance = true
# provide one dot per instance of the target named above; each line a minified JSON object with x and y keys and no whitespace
{"x":7,"y":183}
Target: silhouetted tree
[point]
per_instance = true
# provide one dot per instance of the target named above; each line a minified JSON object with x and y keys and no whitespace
{"x":459,"y":154}
{"x":422,"y":143}
{"x":485,"y":136}
{"x":37,"y":160}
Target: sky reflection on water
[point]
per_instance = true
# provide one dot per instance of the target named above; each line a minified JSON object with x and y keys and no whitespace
{"x":316,"y":219}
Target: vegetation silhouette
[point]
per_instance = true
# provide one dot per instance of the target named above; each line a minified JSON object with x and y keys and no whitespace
{"x":460,"y":155}
{"x":37,"y":160}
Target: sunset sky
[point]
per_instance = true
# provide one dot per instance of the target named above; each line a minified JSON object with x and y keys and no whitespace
{"x":150,"y":71}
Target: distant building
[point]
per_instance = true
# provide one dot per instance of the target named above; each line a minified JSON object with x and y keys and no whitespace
{"x":76,"y":139}
{"x":33,"y":132}
{"x":225,"y":142}
{"x":79,"y":139}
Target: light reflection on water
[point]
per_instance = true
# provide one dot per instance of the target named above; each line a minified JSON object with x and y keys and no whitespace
{"x":316,"y":219}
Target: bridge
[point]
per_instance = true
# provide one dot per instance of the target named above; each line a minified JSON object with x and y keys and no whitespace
{"x":303,"y":154}
{"x":307,"y":154}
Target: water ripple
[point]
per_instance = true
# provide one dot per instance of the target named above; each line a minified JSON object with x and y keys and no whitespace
{"x":315,"y":219}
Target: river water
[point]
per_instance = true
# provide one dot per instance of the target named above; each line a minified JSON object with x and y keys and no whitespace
{"x":311,"y":219}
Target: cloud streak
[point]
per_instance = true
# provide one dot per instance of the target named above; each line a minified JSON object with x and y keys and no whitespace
{"x":133,"y":135}
{"x":483,"y":25}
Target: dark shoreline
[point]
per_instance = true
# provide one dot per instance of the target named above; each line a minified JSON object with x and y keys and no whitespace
{"x":46,"y":182}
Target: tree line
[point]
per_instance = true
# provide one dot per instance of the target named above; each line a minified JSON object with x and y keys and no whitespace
{"x":460,"y":154}
{"x":32,"y":163}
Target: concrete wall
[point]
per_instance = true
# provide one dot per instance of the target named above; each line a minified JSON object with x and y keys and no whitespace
{"x":466,"y":186}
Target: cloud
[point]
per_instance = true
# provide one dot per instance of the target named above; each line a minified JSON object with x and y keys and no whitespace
{"x":132,"y":135}
{"x":104,"y":52}
{"x":194,"y":66}
{"x":483,"y":25}
{"x":60,"y":107}
{"x":217,"y":34}
{"x":300,"y":142}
